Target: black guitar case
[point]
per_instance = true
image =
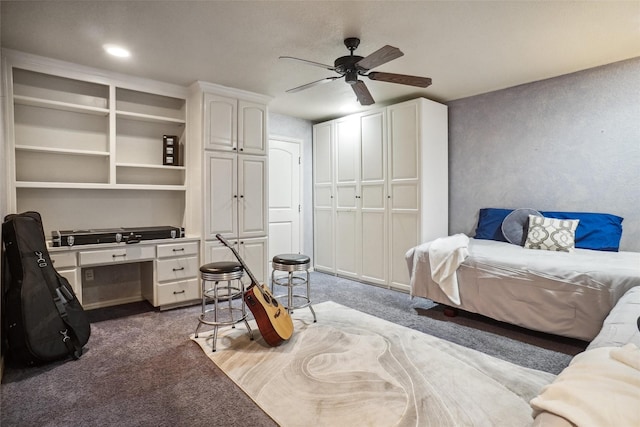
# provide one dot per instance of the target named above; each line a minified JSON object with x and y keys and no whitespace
{"x":42,"y":319}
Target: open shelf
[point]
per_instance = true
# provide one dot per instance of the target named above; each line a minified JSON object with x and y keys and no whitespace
{"x":68,"y":151}
{"x":59,"y":105}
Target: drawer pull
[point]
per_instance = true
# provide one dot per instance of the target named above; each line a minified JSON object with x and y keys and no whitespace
{"x":178,"y":292}
{"x":178,"y":250}
{"x":119,"y":255}
{"x":178,"y":269}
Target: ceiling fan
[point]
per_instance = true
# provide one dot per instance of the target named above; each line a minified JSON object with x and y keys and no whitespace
{"x":351,"y":66}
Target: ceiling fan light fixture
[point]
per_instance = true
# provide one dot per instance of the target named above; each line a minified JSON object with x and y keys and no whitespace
{"x":351,"y":77}
{"x":351,"y":66}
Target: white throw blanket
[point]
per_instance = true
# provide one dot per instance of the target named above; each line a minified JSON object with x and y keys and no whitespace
{"x":445,"y":256}
{"x":600,"y":387}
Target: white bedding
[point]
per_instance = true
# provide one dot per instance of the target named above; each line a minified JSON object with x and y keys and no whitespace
{"x":600,"y":387}
{"x":565,"y":293}
{"x":445,"y":256}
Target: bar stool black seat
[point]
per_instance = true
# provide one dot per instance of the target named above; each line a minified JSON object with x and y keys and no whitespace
{"x":221,"y":283}
{"x":292,"y":263}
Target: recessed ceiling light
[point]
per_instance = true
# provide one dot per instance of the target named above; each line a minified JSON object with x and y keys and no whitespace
{"x":115,"y":50}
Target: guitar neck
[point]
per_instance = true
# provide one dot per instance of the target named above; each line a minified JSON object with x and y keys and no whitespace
{"x":254,"y":281}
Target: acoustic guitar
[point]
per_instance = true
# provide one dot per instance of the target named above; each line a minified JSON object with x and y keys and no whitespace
{"x":272,"y":318}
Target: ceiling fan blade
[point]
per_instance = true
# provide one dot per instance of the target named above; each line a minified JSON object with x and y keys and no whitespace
{"x":381,"y":56}
{"x":304,"y":61}
{"x":400,"y":79}
{"x":308,"y":85}
{"x":362,"y":93}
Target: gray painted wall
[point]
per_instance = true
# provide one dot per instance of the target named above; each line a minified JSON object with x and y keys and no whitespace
{"x":570,"y":143}
{"x":291,"y":127}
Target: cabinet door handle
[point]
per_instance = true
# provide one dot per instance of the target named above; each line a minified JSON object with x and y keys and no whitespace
{"x":234,"y":148}
{"x":242,"y":196}
{"x":178,"y":269}
{"x":235,"y":196}
{"x":178,"y":250}
{"x":242,"y":149}
{"x":178,"y":292}
{"x":119,"y":255}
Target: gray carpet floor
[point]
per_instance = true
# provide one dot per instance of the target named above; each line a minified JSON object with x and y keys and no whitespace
{"x":141,"y":369}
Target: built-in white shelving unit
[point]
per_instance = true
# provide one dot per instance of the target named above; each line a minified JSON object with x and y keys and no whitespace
{"x":85,"y":147}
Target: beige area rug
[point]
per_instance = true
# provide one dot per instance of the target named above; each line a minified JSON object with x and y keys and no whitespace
{"x":351,"y":368}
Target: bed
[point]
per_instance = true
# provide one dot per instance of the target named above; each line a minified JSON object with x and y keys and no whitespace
{"x":563,"y":293}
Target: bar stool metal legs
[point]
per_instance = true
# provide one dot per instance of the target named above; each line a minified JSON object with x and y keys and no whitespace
{"x":221,"y":283}
{"x":291,"y":264}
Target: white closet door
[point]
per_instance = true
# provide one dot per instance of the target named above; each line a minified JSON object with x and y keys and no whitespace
{"x":221,"y":214}
{"x":373,"y":201}
{"x":323,"y":198}
{"x":404,"y":187}
{"x":347,"y":196}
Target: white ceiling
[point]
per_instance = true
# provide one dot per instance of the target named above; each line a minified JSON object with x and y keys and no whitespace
{"x":467,"y":48}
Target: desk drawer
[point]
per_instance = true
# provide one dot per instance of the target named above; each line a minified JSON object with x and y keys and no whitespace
{"x":63,"y":260}
{"x":126,"y":253}
{"x":176,"y":292}
{"x":176,"y":268}
{"x":177,"y":249}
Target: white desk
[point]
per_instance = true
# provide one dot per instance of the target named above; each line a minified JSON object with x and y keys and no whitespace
{"x":164,"y":272}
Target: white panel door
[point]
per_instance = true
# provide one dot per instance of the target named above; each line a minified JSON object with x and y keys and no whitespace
{"x":404,"y":236}
{"x":284,"y":197}
{"x":373,"y":198}
{"x":221,"y":212}
{"x":252,"y":196}
{"x":252,"y":128}
{"x":347,"y":150}
{"x":323,"y":198}
{"x":221,"y":119}
{"x":254,"y":254}
{"x":404,"y":188}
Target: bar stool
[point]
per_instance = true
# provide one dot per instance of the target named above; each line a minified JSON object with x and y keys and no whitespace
{"x":292,"y":263}
{"x":214,"y":294}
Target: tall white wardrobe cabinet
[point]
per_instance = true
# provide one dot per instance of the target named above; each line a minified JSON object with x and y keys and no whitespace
{"x":229,"y":128}
{"x":380,"y":188}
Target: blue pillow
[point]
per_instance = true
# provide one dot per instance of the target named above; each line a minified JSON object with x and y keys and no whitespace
{"x":490,"y":224}
{"x":597,"y":231}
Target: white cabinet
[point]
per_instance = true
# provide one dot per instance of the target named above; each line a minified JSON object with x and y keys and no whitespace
{"x":85,"y":146}
{"x":236,"y":194}
{"x":164,"y":272}
{"x":176,"y":271}
{"x":418,"y":180}
{"x":380,"y":181}
{"x":232,"y":127}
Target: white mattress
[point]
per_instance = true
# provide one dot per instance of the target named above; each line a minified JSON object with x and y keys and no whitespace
{"x":564,"y":293}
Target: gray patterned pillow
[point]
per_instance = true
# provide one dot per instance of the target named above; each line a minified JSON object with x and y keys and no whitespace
{"x":551,"y":234}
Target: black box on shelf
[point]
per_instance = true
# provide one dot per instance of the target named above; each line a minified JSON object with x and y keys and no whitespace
{"x":170,"y":150}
